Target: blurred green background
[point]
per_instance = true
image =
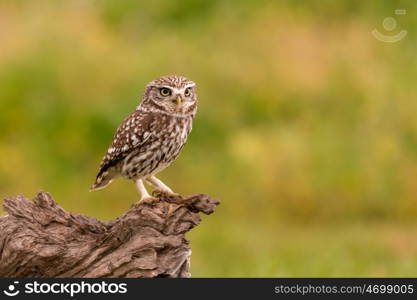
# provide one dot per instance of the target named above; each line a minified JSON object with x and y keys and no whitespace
{"x":307,"y":124}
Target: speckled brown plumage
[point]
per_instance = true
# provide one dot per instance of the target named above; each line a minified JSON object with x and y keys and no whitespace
{"x":152,"y":136}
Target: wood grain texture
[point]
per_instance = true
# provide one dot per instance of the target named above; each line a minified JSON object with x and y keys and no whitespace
{"x":38,"y":238}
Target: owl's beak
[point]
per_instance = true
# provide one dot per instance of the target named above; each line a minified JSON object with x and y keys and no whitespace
{"x":178,"y":101}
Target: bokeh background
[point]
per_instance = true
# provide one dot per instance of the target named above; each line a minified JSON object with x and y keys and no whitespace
{"x":307,"y":125}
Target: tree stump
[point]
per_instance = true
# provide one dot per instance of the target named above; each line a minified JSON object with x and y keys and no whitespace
{"x":40,"y":239}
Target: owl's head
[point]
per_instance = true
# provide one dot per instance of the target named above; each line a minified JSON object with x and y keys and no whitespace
{"x":172,"y":94}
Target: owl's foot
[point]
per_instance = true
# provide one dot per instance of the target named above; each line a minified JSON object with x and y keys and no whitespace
{"x":145,"y":197}
{"x":160,"y":187}
{"x":165,"y":194}
{"x":149,"y":200}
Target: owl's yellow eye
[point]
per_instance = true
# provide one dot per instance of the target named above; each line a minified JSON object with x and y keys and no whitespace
{"x":187,"y":92}
{"x":165,"y":92}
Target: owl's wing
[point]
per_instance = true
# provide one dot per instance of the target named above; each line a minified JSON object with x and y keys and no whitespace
{"x":134,"y":132}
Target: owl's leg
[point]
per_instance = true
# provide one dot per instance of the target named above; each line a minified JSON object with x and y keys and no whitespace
{"x":142,"y":190}
{"x":158,"y":184}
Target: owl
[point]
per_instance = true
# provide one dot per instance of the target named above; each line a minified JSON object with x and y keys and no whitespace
{"x":152,"y":136}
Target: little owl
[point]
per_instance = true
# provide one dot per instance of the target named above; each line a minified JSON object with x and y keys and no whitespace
{"x":152,"y":136}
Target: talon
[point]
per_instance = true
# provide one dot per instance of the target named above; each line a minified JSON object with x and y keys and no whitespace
{"x":168,"y":194}
{"x":149,"y":200}
{"x":157,"y":193}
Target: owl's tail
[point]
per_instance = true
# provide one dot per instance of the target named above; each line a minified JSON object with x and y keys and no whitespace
{"x":103,"y":179}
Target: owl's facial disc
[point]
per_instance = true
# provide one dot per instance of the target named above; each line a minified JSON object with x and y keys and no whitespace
{"x":175,"y":99}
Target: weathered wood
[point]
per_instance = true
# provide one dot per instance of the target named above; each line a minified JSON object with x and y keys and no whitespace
{"x":40,"y":239}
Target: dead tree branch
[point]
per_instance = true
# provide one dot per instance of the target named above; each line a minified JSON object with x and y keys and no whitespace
{"x":40,"y":239}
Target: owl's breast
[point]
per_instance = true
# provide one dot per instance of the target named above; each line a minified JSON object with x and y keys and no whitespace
{"x":162,"y":148}
{"x":172,"y":143}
